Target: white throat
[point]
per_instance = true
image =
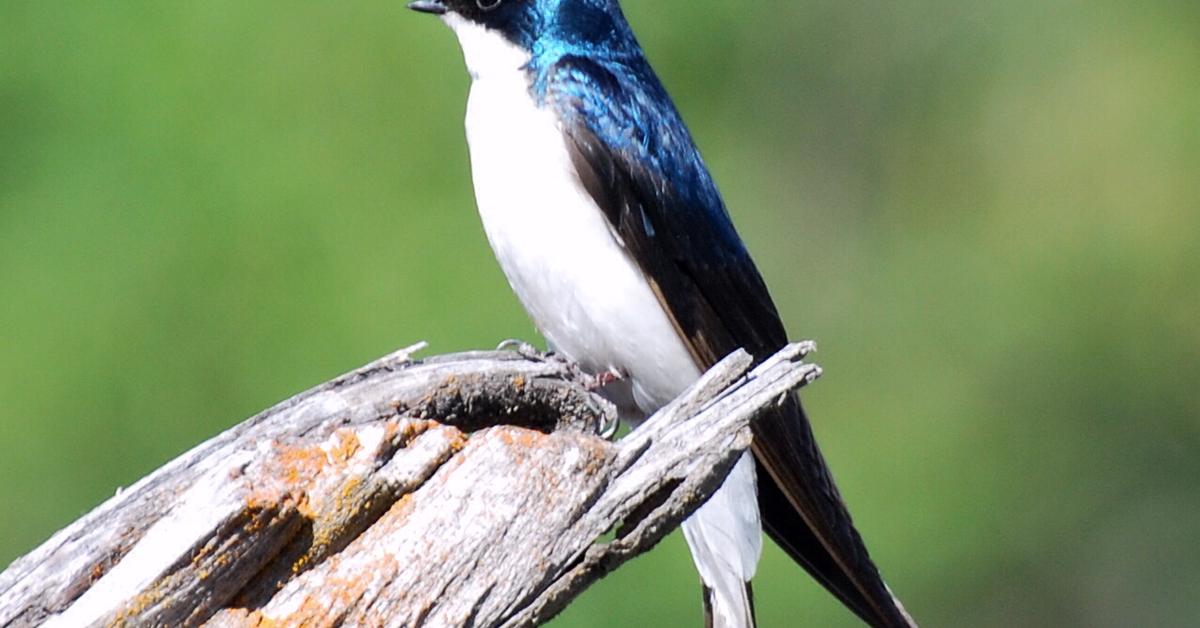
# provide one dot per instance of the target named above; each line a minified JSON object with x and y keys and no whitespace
{"x":486,"y":51}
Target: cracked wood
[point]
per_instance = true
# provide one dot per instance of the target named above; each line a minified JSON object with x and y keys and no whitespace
{"x":467,"y":489}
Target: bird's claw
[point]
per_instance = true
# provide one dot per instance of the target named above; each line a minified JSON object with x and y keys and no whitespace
{"x":523,"y":349}
{"x":608,"y":431}
{"x":600,"y":380}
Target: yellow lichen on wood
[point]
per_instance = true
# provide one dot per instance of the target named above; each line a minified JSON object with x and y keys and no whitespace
{"x":347,"y":445}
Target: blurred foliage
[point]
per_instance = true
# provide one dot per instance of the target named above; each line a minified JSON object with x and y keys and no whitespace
{"x":986,"y":213}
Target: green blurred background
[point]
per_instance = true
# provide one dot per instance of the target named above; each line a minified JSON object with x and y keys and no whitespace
{"x":985,"y":213}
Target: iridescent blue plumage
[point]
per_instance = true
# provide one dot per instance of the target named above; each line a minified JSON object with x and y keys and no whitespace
{"x":586,"y":62}
{"x":588,"y":65}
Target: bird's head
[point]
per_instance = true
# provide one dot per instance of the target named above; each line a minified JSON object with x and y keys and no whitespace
{"x":552,"y":23}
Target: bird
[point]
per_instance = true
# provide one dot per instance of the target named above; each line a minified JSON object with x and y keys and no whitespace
{"x":611,"y":231}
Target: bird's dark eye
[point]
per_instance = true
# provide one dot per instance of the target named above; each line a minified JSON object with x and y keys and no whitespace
{"x":486,"y":5}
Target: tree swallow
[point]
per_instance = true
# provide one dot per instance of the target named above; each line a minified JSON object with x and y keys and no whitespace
{"x":611,"y":232}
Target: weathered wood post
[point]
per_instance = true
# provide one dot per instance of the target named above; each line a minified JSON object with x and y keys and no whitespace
{"x":467,"y":489}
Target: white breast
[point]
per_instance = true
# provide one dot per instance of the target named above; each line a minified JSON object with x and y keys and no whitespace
{"x":582,"y":290}
{"x":584,"y":293}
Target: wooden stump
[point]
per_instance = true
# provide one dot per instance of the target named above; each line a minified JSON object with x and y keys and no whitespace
{"x":467,"y":489}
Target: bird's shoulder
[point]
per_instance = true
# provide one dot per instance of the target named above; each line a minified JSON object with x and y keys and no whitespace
{"x":621,"y":102}
{"x":637,"y":160}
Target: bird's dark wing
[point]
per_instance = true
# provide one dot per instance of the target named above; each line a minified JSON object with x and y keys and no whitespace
{"x":636,"y":160}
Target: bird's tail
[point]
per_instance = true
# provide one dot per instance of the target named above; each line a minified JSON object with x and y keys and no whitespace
{"x":803,"y":512}
{"x":729,"y":605}
{"x":725,"y":536}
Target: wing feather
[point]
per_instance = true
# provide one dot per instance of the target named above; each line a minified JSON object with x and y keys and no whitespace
{"x":635,"y":159}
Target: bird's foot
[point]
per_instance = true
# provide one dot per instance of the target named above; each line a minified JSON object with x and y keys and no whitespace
{"x":593,"y":383}
{"x":530,"y":352}
{"x":608,"y":431}
{"x":525,"y":350}
{"x":600,"y":380}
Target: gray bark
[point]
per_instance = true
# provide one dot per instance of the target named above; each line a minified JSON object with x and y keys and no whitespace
{"x":468,"y":489}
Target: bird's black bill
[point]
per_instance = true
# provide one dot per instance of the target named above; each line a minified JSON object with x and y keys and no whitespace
{"x":436,"y":7}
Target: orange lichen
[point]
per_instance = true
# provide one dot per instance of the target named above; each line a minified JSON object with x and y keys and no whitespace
{"x":304,"y":506}
{"x":298,"y":465}
{"x":351,"y":490}
{"x":392,"y":432}
{"x":336,"y":596}
{"x":152,"y":595}
{"x":289,"y":474}
{"x":458,"y":439}
{"x":520,"y":437}
{"x":347,"y":445}
{"x":246,"y":618}
{"x":399,"y":510}
{"x":202,"y":553}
